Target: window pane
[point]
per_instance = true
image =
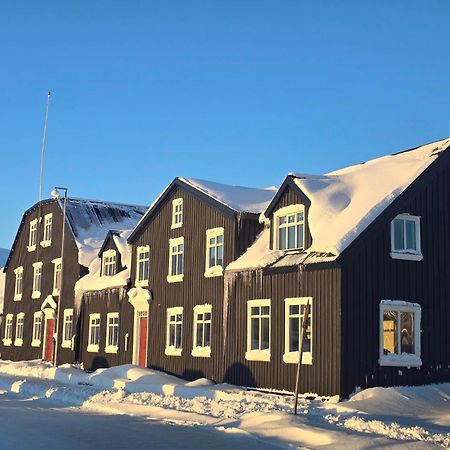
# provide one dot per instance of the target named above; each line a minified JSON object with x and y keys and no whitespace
{"x":410,"y":235}
{"x":265,"y":310}
{"x":398,"y":235}
{"x":389,"y":332}
{"x":265,"y":333}
{"x":180,"y":264}
{"x":294,"y":309}
{"x":199,"y":335}
{"x":207,"y":316}
{"x":294,"y":325}
{"x":254,"y":337}
{"x":174,"y":265}
{"x":212,"y":257}
{"x":178,"y":336}
{"x":300,"y":236}
{"x":407,"y":332}
{"x":171,"y":335}
{"x":220,"y":255}
{"x":282,"y":238}
{"x":207,"y":335}
{"x":291,"y":237}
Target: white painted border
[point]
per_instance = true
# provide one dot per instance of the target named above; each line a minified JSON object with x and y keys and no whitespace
{"x":290,"y":209}
{"x":258,"y":355}
{"x":8,"y":341}
{"x":32,"y":248}
{"x":215,"y":271}
{"x":111,"y":348}
{"x":201,"y":352}
{"x":37,"y":265}
{"x":139,"y":250}
{"x":94,"y":348}
{"x":407,"y":254}
{"x":47,"y":218}
{"x":17,"y":296}
{"x":109,"y":254}
{"x":178,"y":277}
{"x":18,"y":342}
{"x":139,"y":298}
{"x":172,"y":350}
{"x":37,"y":342}
{"x":176,"y":202}
{"x":67,"y":343}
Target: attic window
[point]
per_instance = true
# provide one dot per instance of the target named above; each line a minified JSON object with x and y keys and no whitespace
{"x":289,"y":230}
{"x":405,"y":238}
{"x":177,"y":213}
{"x":109,"y":266}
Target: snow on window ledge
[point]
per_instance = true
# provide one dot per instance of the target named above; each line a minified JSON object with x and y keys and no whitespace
{"x":36,"y":294}
{"x":18,"y":342}
{"x":403,"y":360}
{"x":258,"y":355}
{"x":111,"y":349}
{"x":67,"y":344}
{"x":93,"y":348}
{"x":31,"y":248}
{"x":7,"y":342}
{"x":407,"y":256}
{"x":46,"y":243}
{"x":172,"y":351}
{"x":18,"y":297}
{"x":36,"y":343}
{"x":175,"y":278}
{"x":292,"y":358}
{"x":141,"y":283}
{"x":214,"y":271}
{"x":55,"y":293}
{"x":174,"y":226}
{"x":201,"y":352}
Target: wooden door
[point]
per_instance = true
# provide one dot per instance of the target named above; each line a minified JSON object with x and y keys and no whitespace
{"x":50,"y":329}
{"x":142,"y":360}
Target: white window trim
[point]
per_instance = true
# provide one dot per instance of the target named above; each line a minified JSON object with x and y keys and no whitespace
{"x":178,"y":277}
{"x":18,"y":297}
{"x":258,"y":355}
{"x":8,"y":341}
{"x":176,"y":202}
{"x":172,"y":350}
{"x":111,"y":348}
{"x":414,"y":359}
{"x":215,"y":271}
{"x":36,"y":265}
{"x":56,"y":291}
{"x":290,"y":209}
{"x":32,"y":248}
{"x":197,"y":351}
{"x":108,"y":254}
{"x":47,"y":242}
{"x":37,"y":342}
{"x":93,"y":348}
{"x":292,"y":357}
{"x":18,"y":342}
{"x":139,"y":250}
{"x":407,"y":254}
{"x":67,"y":343}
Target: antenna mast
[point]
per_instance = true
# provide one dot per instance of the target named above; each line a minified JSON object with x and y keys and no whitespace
{"x":44,"y":137}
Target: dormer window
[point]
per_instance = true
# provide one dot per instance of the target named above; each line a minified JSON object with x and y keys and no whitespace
{"x":405,"y":237}
{"x":109,"y":266}
{"x":48,"y":220}
{"x":289,"y":232}
{"x":177,"y":213}
{"x":32,"y":239}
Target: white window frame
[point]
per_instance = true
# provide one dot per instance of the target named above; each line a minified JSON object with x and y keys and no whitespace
{"x":48,"y":229}
{"x":37,"y":270}
{"x":397,"y":360}
{"x":18,"y":283}
{"x":171,"y":350}
{"x":57,"y":266}
{"x":284,"y":212}
{"x":92,"y":347}
{"x":67,"y":343}
{"x":179,"y":276}
{"x":109,"y":259}
{"x":8,"y":330}
{"x":20,"y":322}
{"x":255,"y":354}
{"x":202,"y":351}
{"x":177,"y":214}
{"x":214,"y":233}
{"x":141,"y":250}
{"x":411,"y":255}
{"x":109,"y":327}
{"x":33,"y":236}
{"x":38,"y":321}
{"x":288,"y":356}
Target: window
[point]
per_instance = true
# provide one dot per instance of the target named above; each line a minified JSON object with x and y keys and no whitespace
{"x":202,"y":331}
{"x":37,"y":329}
{"x":177,"y":213}
{"x":109,"y":266}
{"x":289,"y":227}
{"x":37,"y":280}
{"x":214,"y":252}
{"x":47,"y":241}
{"x":94,"y":333}
{"x":143,"y":265}
{"x":294,"y":313}
{"x":56,"y":276}
{"x":18,"y":287}
{"x":405,"y":238}
{"x":400,"y":333}
{"x":112,"y":332}
{"x":176,"y":260}
{"x":7,"y":338}
{"x":67,"y":329}
{"x":19,"y":330}
{"x":32,"y":239}
{"x":174,"y":331}
{"x":258,"y":330}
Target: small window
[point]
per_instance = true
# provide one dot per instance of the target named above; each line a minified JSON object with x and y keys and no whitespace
{"x":177,"y":213}
{"x":109,"y":266}
{"x":142,"y":265}
{"x":37,"y":280}
{"x":289,"y":230}
{"x":7,"y":338}
{"x":258,"y":330}
{"x":294,"y":314}
{"x":202,"y":331}
{"x":112,"y":332}
{"x":47,"y":241}
{"x":94,"y":333}
{"x":174,"y":336}
{"x":37,"y":329}
{"x":176,"y":260}
{"x":214,"y":252}
{"x":67,"y":329}
{"x":405,"y":238}
{"x":32,"y":239}
{"x":19,"y":330}
{"x":56,"y":276}
{"x":400,"y":333}
{"x":18,"y":286}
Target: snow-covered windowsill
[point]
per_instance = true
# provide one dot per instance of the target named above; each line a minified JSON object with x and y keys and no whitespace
{"x":7,"y":342}
{"x":46,"y":243}
{"x":175,"y":278}
{"x":93,"y":348}
{"x":36,"y":294}
{"x":55,"y":293}
{"x":31,"y":248}
{"x":201,"y":352}
{"x":18,"y":297}
{"x":36,"y":343}
{"x":292,"y":358}
{"x":67,"y":344}
{"x":111,"y":349}
{"x":172,"y":351}
{"x":141,"y":283}
{"x":18,"y":342}
{"x":407,"y":256}
{"x":215,"y":271}
{"x":403,"y":360}
{"x":258,"y":355}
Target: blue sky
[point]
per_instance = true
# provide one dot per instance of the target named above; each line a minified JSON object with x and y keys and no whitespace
{"x":240,"y":92}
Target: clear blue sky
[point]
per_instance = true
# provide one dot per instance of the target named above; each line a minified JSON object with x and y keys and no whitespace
{"x":241,"y":92}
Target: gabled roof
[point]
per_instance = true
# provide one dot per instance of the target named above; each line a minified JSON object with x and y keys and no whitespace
{"x":226,"y":198}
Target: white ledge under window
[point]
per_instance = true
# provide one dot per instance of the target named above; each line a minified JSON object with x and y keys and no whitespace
{"x":141,"y":283}
{"x":67,"y":344}
{"x":111,"y":349}
{"x":258,"y":355}
{"x":407,"y":256}
{"x":18,"y":342}
{"x":403,"y":360}
{"x":18,"y":297}
{"x":214,"y":271}
{"x":36,"y":294}
{"x":46,"y":243}
{"x":93,"y":348}
{"x":172,"y":351}
{"x":292,"y":358}
{"x":175,"y":278}
{"x":201,"y":352}
{"x":36,"y":343}
{"x":31,"y":248}
{"x":7,"y":342}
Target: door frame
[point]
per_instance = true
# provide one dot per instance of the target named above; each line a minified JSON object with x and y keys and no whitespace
{"x":48,"y":307}
{"x":140,"y":300}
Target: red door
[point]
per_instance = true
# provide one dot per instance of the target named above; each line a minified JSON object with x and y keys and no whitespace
{"x":50,"y":328}
{"x":142,"y":360}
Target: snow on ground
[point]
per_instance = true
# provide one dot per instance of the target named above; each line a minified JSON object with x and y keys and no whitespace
{"x":407,"y":417}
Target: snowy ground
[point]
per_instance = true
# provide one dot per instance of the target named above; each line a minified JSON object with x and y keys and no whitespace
{"x":143,"y":406}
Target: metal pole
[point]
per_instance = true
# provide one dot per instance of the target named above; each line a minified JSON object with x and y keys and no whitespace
{"x":300,"y":352}
{"x":44,"y":138}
